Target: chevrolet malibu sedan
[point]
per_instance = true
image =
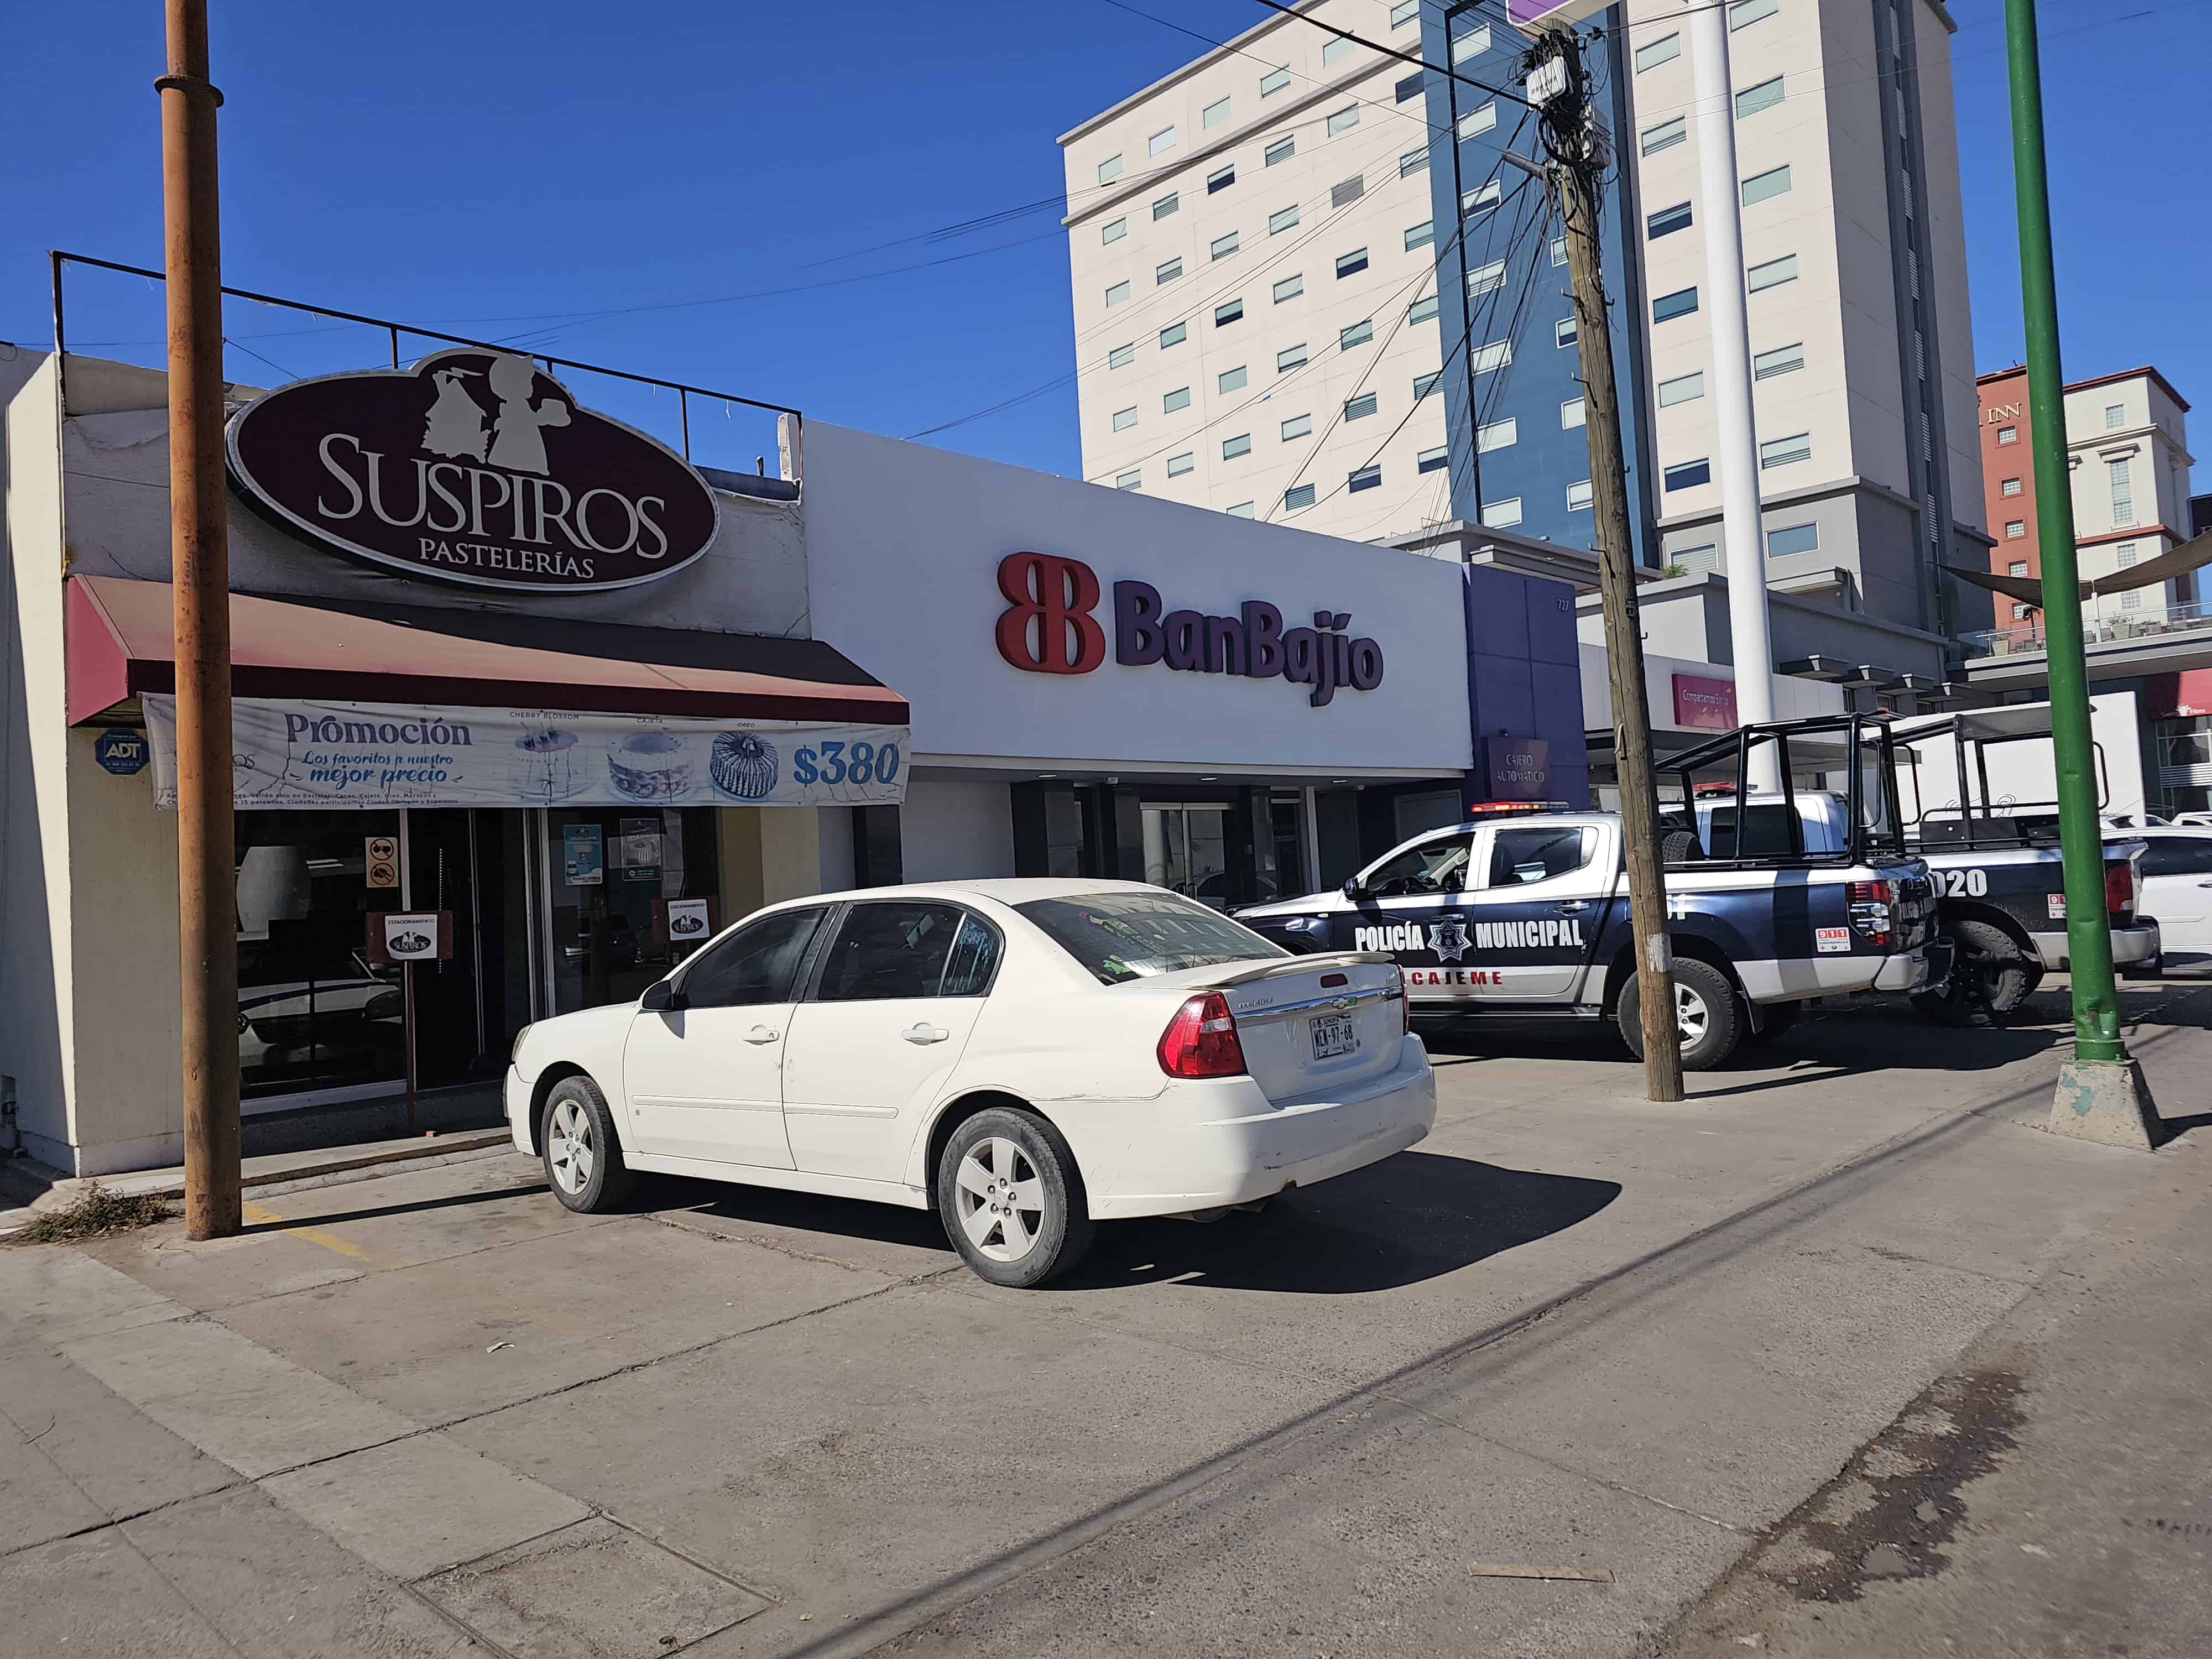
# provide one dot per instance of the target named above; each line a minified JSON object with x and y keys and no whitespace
{"x":1026,"y":1058}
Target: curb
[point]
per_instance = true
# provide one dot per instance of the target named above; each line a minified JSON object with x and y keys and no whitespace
{"x":289,"y":1171}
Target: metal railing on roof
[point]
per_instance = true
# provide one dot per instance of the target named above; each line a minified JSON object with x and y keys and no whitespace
{"x":2114,"y":626}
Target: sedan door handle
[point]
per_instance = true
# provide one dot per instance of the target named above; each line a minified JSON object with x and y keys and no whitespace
{"x":925,"y":1033}
{"x":762,"y":1034}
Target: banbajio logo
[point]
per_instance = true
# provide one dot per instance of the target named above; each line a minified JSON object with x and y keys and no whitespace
{"x":1047,"y":628}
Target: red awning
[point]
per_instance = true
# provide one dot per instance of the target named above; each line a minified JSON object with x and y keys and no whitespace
{"x":119,"y":643}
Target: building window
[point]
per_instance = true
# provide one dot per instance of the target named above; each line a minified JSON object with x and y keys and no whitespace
{"x":2015,"y":528}
{"x":1706,"y":555}
{"x":1344,"y":194}
{"x":1113,"y":230}
{"x":1214,"y":114}
{"x":1280,"y":149}
{"x":1765,"y":186}
{"x":1110,"y":168}
{"x":1167,"y":272}
{"x":1336,"y":50}
{"x":2020,"y":612}
{"x":1665,"y":50}
{"x":1497,"y":355}
{"x":1559,"y":250}
{"x":1342,"y":121}
{"x":1667,"y":221}
{"x":1282,"y":219}
{"x":1432,"y":460}
{"x":1357,"y":335}
{"x":1793,"y":538}
{"x":1563,"y":332}
{"x":1125,"y":418}
{"x":1179,"y":398}
{"x":1290,"y":287}
{"x":1478,"y":120}
{"x":1420,"y":235}
{"x":2009,"y":487}
{"x":2125,"y":553}
{"x":1179,"y":465}
{"x":1424,"y":384}
{"x":1682,"y":389}
{"x":1220,"y":179}
{"x":1223,"y":246}
{"x":1161,"y":142}
{"x":1667,"y":307}
{"x":1166,"y":205}
{"x":1412,"y":162}
{"x":1665,"y":136}
{"x":1752,"y":100}
{"x":1359,"y":408}
{"x":1783,"y":360}
{"x":1227,"y":312}
{"x":1367,"y":477}
{"x":2115,"y":414}
{"x":1744,"y":13}
{"x":1242,"y":510}
{"x":1173,"y":335}
{"x":1578,"y":496}
{"x":1291,"y":357}
{"x":2017,"y":567}
{"x":1296,"y":497}
{"x":1498,"y":434}
{"x":1786,"y":452}
{"x":1129,"y":480}
{"x":2124,"y":491}
{"x":1689,"y":474}
{"x":1230,"y":379}
{"x":2132,"y":599}
{"x":1502,"y":515}
{"x":1352,"y":263}
{"x":1410,"y":87}
{"x":1404,"y":12}
{"x":1483,"y":278}
{"x":1239,"y":445}
{"x":1472,"y":44}
{"x":1117,"y":294}
{"x":1122,"y":355}
{"x":1422,"y":311}
{"x":1273,"y":82}
{"x":1572,"y":415}
{"x":1772,"y":274}
{"x":2008,"y":434}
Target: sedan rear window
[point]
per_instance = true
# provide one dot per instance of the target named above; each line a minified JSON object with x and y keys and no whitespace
{"x":1125,"y":936}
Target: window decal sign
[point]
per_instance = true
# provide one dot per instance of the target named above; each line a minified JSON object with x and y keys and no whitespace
{"x":474,"y":466}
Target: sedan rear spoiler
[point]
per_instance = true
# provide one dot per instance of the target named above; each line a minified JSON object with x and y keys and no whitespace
{"x":1270,"y":968}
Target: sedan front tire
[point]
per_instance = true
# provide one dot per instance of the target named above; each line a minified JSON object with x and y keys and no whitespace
{"x":583,"y":1160}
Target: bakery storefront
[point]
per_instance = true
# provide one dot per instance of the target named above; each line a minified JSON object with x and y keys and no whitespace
{"x":509,"y":676}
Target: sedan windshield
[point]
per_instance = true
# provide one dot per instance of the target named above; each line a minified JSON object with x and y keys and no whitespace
{"x":1124,"y":936}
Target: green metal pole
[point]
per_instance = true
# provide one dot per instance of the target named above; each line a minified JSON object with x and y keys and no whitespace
{"x":2088,"y":945}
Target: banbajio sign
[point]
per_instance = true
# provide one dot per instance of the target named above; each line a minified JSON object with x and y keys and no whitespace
{"x":1048,"y":628}
{"x":474,"y":466}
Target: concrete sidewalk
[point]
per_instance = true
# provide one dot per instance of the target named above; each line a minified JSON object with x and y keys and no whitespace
{"x":433,"y":1412}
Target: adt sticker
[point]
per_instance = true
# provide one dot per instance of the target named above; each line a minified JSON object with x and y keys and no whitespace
{"x":1830,"y":941}
{"x":124,"y":753}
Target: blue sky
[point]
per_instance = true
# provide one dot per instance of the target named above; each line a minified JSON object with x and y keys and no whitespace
{"x":501,"y":168}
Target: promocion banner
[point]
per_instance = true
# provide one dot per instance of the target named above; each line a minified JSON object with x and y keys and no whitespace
{"x":304,"y":754}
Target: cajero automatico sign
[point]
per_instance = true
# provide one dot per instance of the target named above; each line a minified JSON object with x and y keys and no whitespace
{"x":472,"y":466}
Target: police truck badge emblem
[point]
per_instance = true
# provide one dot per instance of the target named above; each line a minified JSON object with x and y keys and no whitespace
{"x":1448,"y":939}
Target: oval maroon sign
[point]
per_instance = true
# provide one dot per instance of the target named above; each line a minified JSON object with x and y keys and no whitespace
{"x":472,"y":466}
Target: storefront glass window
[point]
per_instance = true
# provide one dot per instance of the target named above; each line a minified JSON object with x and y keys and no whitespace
{"x":1185,"y":851}
{"x":609,"y":875}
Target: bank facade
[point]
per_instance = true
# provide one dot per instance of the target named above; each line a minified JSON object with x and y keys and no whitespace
{"x":528,"y":706}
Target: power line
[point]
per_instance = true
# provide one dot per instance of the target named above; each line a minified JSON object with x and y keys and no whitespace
{"x":1392,"y":52}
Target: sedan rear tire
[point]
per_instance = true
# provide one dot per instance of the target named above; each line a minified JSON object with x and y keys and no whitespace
{"x":1010,"y":1199}
{"x":583,"y":1159}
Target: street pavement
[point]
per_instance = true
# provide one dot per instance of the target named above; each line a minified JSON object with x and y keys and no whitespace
{"x":433,"y":1413}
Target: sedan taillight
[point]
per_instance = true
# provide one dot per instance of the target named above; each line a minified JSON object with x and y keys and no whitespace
{"x":1200,"y":1041}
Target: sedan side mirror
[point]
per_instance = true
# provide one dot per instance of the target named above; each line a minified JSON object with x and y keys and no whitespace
{"x":660,"y":997}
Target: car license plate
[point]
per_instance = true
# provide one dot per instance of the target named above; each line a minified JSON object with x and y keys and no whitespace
{"x":1333,"y":1035}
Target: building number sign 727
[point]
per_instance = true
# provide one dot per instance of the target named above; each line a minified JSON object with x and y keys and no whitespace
{"x":1961,"y":883}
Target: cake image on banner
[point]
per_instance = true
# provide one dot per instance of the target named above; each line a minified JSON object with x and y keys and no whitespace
{"x":550,"y":771}
{"x":650,"y":766}
{"x":744,"y":765}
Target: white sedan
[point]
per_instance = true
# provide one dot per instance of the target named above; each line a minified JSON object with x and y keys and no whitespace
{"x":1025,"y":1057}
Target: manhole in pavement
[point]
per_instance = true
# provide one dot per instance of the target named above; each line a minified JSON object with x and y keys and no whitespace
{"x":592,"y":1591}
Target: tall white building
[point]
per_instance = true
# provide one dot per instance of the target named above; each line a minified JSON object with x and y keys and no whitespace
{"x":1255,"y":316}
{"x":1856,"y":268}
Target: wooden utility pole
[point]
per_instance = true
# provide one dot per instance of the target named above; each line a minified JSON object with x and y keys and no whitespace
{"x":199,"y":556}
{"x":1571,"y":136}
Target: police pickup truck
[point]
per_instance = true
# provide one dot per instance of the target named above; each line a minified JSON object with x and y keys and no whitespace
{"x":1526,"y":917}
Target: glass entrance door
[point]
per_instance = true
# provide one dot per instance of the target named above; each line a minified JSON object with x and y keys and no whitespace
{"x":610,"y":873}
{"x":1186,"y":850}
